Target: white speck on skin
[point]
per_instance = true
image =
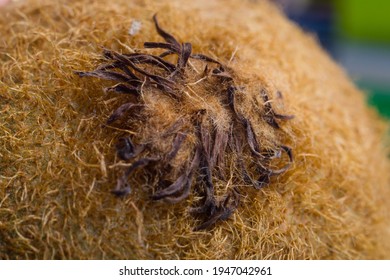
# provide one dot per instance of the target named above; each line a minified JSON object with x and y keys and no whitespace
{"x":135,"y":27}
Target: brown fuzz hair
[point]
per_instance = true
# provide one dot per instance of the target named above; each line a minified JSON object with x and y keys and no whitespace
{"x":139,"y":74}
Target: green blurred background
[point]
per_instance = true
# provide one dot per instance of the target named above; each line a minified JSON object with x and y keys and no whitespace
{"x":357,"y":34}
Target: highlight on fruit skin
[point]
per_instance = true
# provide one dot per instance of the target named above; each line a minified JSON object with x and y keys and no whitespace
{"x":142,"y":73}
{"x":196,"y":156}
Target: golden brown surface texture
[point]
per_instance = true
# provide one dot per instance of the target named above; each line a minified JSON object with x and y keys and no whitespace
{"x":58,"y":162}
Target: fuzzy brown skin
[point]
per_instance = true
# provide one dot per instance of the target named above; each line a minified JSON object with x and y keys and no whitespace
{"x":58,"y":161}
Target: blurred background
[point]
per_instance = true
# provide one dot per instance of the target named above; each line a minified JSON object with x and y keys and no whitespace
{"x":357,"y":34}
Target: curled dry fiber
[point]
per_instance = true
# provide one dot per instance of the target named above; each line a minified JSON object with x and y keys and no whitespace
{"x":110,"y":150}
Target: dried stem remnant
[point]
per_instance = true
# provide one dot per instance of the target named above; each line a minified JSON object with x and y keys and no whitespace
{"x":215,"y":145}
